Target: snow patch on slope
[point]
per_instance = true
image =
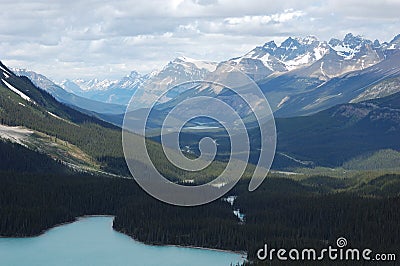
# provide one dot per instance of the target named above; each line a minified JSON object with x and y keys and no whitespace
{"x":344,"y":51}
{"x":285,"y":99}
{"x":5,"y":70}
{"x":21,"y":94}
{"x":301,"y":60}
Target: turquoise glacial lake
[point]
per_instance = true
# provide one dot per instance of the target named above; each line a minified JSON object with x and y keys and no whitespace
{"x":92,"y":241}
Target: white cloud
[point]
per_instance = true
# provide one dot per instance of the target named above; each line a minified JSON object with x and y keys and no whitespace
{"x":287,"y":15}
{"x":108,"y":39}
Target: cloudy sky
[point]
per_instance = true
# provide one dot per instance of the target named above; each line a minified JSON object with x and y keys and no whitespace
{"x":107,"y":39}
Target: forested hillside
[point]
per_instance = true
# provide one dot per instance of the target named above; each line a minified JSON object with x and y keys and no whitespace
{"x":282,"y":212}
{"x":43,"y":113}
{"x":14,"y":157}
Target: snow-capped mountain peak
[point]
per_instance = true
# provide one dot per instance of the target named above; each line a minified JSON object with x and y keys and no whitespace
{"x":307,"y":40}
{"x":133,"y":75}
{"x":209,"y":66}
{"x":353,"y":40}
{"x":270,"y":46}
{"x":95,"y":84}
{"x":291,"y":54}
{"x":352,"y":45}
{"x":312,"y":51}
{"x":105,"y":90}
{"x":395,"y":43}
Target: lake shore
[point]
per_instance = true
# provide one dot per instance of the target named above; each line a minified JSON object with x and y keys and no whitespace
{"x":242,"y":253}
{"x":58,"y":225}
{"x":92,"y":241}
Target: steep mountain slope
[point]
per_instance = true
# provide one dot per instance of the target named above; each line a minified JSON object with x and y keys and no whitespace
{"x":56,"y":149}
{"x":381,"y":89}
{"x":336,"y":135}
{"x":23,"y":104}
{"x":181,"y":69}
{"x":40,"y":99}
{"x":280,"y":89}
{"x":17,"y":158}
{"x":343,"y":89}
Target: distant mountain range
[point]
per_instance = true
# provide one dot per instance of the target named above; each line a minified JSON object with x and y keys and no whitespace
{"x":304,"y":76}
{"x":296,"y":93}
{"x":70,"y":98}
{"x":108,"y":91}
{"x":300,"y":76}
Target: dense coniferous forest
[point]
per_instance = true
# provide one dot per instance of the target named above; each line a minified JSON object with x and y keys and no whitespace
{"x":15,"y":157}
{"x":282,"y":212}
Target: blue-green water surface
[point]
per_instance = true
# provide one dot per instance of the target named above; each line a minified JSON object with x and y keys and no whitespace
{"x":92,"y":241}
